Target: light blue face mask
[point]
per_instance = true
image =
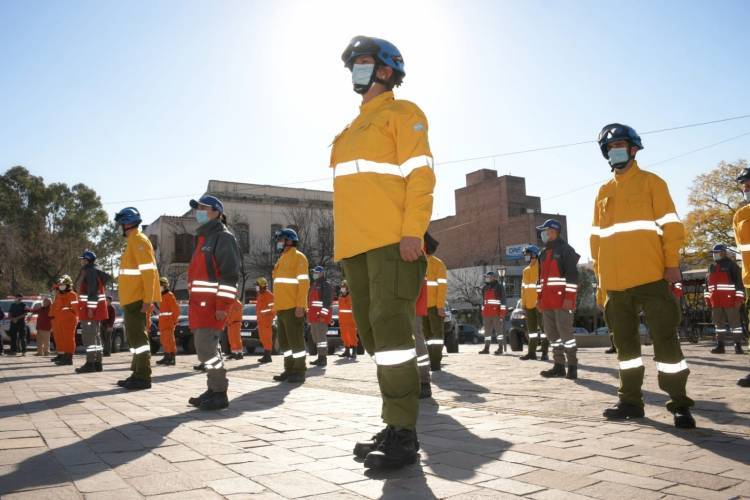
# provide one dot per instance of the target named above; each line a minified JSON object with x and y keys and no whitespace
{"x":201,"y":216}
{"x":618,"y":157}
{"x":362,"y":77}
{"x":527,"y":258}
{"x":717,"y":257}
{"x":545,"y":237}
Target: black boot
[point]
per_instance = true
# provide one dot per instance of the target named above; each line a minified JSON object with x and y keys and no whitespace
{"x":217,"y":401}
{"x":345,"y":354}
{"x":719,"y":349}
{"x":529,"y":355}
{"x":281,"y":377}
{"x":163,"y":361}
{"x":57,"y":358}
{"x":296,"y":378}
{"x":683,"y":419}
{"x":171,"y":361}
{"x":499,"y":350}
{"x":545,"y":356}
{"x":486,"y":349}
{"x":135,"y":384}
{"x":124,"y":382}
{"x":98,"y":366}
{"x":623,"y":411}
{"x":238,"y":356}
{"x":611,"y":350}
{"x":323,"y":361}
{"x":362,"y":448}
{"x":572,"y":372}
{"x":738,"y":348}
{"x":266,"y":358}
{"x":353,"y":355}
{"x":557,"y":370}
{"x":435,"y":366}
{"x":315,"y":362}
{"x":86,"y":368}
{"x":396,"y":450}
{"x":425,"y":391}
{"x":744,"y":381}
{"x":66,"y":360}
{"x":197,"y":400}
{"x":200,"y":367}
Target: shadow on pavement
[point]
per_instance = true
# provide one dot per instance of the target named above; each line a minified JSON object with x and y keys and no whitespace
{"x":464,"y":389}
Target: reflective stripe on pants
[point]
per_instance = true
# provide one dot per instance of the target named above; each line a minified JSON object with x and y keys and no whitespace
{"x":135,"y":329}
{"x":208,"y":349}
{"x":432,"y":327}
{"x":291,"y":333}
{"x":91,"y":338}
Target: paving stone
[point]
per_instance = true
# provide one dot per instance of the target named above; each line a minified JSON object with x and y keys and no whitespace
{"x":427,"y":485}
{"x":553,"y":494}
{"x":687,"y":491}
{"x":95,"y":477}
{"x":123,"y":494}
{"x":613,"y":491}
{"x":561,"y":466}
{"x":649,"y":483}
{"x":560,"y":480}
{"x":296,"y":484}
{"x":67,"y":492}
{"x":457,"y":474}
{"x":511,"y":486}
{"x":158,"y":484}
{"x":625,"y":466}
{"x":31,"y":442}
{"x":179,"y":453}
{"x":337,"y":476}
{"x":698,"y":479}
{"x":197,"y":494}
{"x":235,"y":486}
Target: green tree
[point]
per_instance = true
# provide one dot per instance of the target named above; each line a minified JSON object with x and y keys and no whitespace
{"x":45,"y":228}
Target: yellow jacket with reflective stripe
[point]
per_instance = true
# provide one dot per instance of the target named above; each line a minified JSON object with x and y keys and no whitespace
{"x":139,"y":278}
{"x":291,"y":280}
{"x":437,"y":282}
{"x":741,"y":224}
{"x":383,"y":177}
{"x":528,"y":283}
{"x":636,"y":232}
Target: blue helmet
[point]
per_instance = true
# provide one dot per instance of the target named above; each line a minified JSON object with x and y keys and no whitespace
{"x":719,"y":248}
{"x":551,"y":224}
{"x":128,"y":216}
{"x":88,"y":255}
{"x":383,"y":50}
{"x":287,"y":233}
{"x":531,"y":250}
{"x":617,"y":132}
{"x":209,"y":201}
{"x":490,"y":274}
{"x":318,"y":269}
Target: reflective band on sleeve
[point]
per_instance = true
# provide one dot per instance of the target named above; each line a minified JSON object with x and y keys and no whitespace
{"x":226,"y":295}
{"x":533,"y":335}
{"x":204,"y":283}
{"x":744,"y":248}
{"x":442,"y":281}
{"x":146,"y":267}
{"x":434,"y":342}
{"x":199,"y":289}
{"x":662,"y":221}
{"x":265,"y":310}
{"x":288,"y":281}
{"x":344,"y":311}
{"x":414,"y":163}
{"x":542,"y":335}
{"x":432,"y":283}
{"x":389,"y":358}
{"x":672,"y":367}
{"x":569,"y":343}
{"x":165,"y":314}
{"x":142,"y":349}
{"x":300,"y":354}
{"x":228,"y":288}
{"x":303,"y":277}
{"x":129,"y":272}
{"x":132,"y":351}
{"x":631,"y":363}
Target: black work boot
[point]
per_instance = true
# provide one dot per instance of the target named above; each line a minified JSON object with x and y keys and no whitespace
{"x":86,"y":368}
{"x":124,"y":382}
{"x":345,"y":354}
{"x":611,"y":350}
{"x":572,"y":372}
{"x":238,"y":356}
{"x":499,"y":350}
{"x":296,"y":378}
{"x":353,"y":355}
{"x":98,"y":366}
{"x":66,"y":360}
{"x":738,"y":348}
{"x":744,"y":381}
{"x":171,"y":361}
{"x":362,"y":448}
{"x":623,"y":411}
{"x":281,"y":377}
{"x":435,"y":366}
{"x":163,"y":361}
{"x":719,"y":349}
{"x":396,"y":450}
{"x":217,"y":401}
{"x":322,"y":361}
{"x":529,"y":355}
{"x":266,"y":358}
{"x":55,"y":359}
{"x":197,"y":400}
{"x":425,"y":391}
{"x":200,"y":367}
{"x":315,"y":362}
{"x":136,"y":384}
{"x":557,"y":370}
{"x":545,"y":356}
{"x":486,"y":349}
{"x":683,"y":419}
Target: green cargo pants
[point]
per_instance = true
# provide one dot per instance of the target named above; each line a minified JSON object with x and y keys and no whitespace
{"x":135,"y":330}
{"x":384,"y":292}
{"x":536,"y":336}
{"x":432,"y":327}
{"x":662,"y":317}
{"x":291,"y":333}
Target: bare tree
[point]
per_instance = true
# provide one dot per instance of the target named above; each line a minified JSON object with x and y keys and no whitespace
{"x":465,"y":285}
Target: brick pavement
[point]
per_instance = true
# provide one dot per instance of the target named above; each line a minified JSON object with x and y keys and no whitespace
{"x":494,"y":430}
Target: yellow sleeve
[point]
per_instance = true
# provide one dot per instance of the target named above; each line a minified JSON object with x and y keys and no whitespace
{"x":144,"y":257}
{"x":594,"y":238}
{"x":415,"y":159}
{"x":304,"y":282}
{"x":442,"y":289}
{"x":742,"y":237}
{"x":666,"y":218}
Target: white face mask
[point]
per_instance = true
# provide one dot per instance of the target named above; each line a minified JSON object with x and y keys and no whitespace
{"x":63,"y":288}
{"x":362,"y":74}
{"x":316,"y":276}
{"x":717,"y":256}
{"x":545,"y":237}
{"x":280,"y":246}
{"x":527,"y":258}
{"x":618,"y":157}
{"x":257,"y":288}
{"x":344,"y":291}
{"x":746,"y":194}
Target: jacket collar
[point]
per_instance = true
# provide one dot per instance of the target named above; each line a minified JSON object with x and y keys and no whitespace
{"x":632,"y":172}
{"x":376,"y":102}
{"x":210,"y":227}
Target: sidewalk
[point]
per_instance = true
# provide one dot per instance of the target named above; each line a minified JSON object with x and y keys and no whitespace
{"x":494,"y":430}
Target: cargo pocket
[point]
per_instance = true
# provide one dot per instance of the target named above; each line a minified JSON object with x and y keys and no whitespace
{"x":409,"y":277}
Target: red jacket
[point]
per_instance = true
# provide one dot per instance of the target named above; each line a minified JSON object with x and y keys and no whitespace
{"x":91,"y":294}
{"x":724,"y":286}
{"x":422,"y":300}
{"x":320,"y":302}
{"x":212,"y":275}
{"x":558,"y":275}
{"x":346,"y":314}
{"x":43,"y":319}
{"x":492,"y":300}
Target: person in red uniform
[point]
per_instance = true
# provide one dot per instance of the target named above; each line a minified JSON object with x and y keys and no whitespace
{"x":92,"y":310}
{"x":493,"y":312}
{"x":725,"y":295}
{"x":169,"y":314}
{"x":234,"y":330}
{"x":347,"y":326}
{"x":265,"y":314}
{"x":43,"y":327}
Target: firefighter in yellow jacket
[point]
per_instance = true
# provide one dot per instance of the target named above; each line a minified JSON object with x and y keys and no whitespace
{"x":741,"y":225}
{"x":635,"y":243}
{"x":291,"y":284}
{"x":529,"y":280}
{"x":139,"y":289}
{"x":382,"y":204}
{"x":437,"y":290}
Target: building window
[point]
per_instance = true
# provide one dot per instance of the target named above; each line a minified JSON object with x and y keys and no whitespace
{"x":183,"y":247}
{"x":242,"y":233}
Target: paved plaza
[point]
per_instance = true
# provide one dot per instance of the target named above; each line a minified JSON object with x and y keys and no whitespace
{"x":494,"y":429}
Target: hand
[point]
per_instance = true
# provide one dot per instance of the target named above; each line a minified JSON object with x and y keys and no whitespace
{"x":145,"y":307}
{"x":568,"y":304}
{"x":410,"y":248}
{"x":221,"y":315}
{"x":441,"y":312}
{"x":299,"y":311}
{"x":672,"y":274}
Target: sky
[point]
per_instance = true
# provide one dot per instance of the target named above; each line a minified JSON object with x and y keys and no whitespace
{"x":145,"y":101}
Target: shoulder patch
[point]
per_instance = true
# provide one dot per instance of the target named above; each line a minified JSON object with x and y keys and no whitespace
{"x":418,"y":127}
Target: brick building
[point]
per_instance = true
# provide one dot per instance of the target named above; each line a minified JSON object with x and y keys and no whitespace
{"x":494,"y":219}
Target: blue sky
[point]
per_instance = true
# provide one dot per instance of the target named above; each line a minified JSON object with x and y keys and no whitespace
{"x":150,"y":99}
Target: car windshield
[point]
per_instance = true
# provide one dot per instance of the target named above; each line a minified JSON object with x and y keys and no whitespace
{"x":183,"y":309}
{"x":248,"y":310}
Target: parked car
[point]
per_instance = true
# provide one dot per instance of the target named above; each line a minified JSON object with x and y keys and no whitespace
{"x":249,"y":330}
{"x":642,"y":332}
{"x":469,"y":334}
{"x":31,"y":302}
